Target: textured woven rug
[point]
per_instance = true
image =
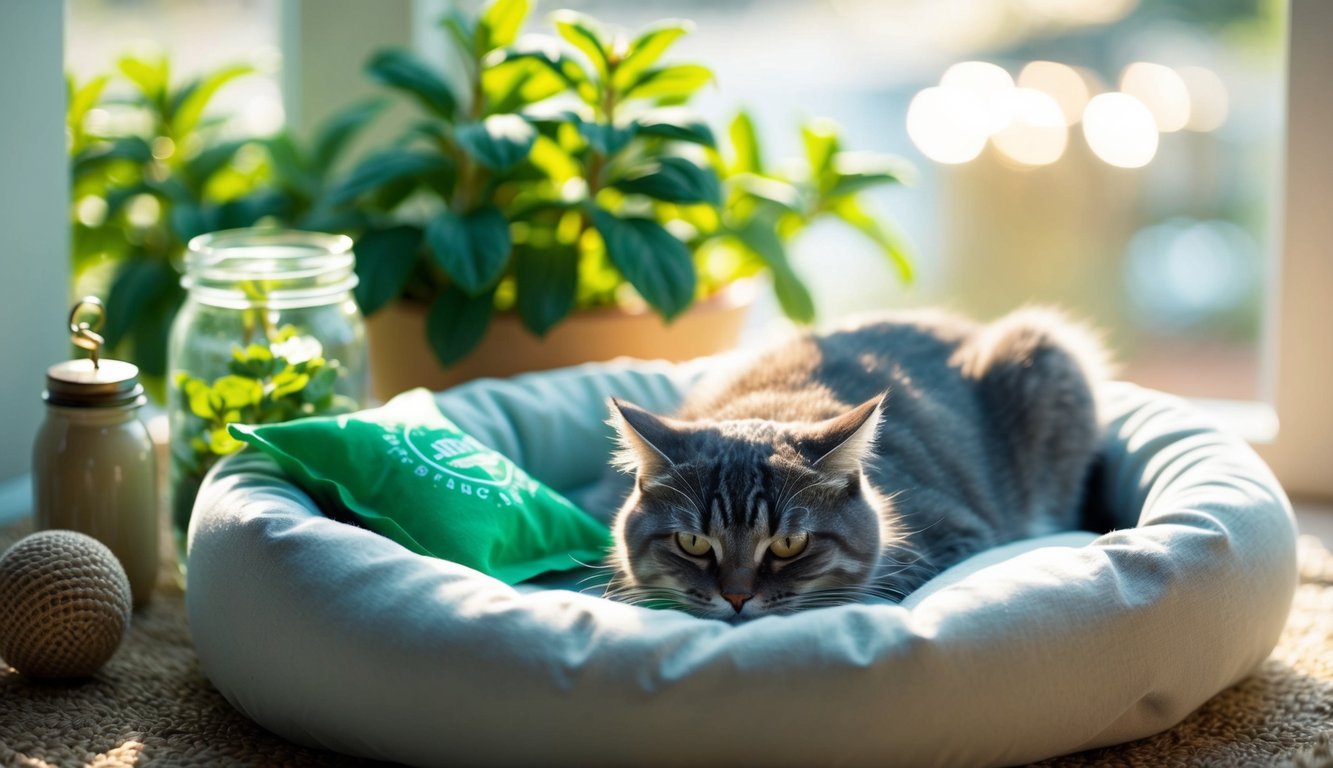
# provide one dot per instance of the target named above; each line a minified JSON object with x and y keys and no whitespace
{"x":151,"y":704}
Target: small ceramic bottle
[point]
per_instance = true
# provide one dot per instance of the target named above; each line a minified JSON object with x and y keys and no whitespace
{"x":93,"y":465}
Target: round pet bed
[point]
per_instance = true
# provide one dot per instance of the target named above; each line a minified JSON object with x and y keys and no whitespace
{"x":332,"y":636}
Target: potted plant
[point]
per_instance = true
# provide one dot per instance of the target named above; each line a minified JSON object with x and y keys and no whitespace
{"x":145,"y":177}
{"x":561,"y":191}
{"x":559,"y":194}
{"x":149,"y":171}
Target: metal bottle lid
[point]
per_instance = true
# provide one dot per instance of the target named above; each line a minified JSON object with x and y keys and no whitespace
{"x":78,"y":383}
{"x":92,"y":383}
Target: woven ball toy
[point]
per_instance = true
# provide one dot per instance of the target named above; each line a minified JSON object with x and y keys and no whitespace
{"x":64,"y":605}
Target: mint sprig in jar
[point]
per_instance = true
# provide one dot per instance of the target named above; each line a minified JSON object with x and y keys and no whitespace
{"x":269,"y":332}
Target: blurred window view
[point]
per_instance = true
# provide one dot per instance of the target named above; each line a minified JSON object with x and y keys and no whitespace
{"x":196,"y":37}
{"x":1119,"y":158}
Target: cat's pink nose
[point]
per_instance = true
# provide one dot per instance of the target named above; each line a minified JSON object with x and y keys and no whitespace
{"x":737,"y":600}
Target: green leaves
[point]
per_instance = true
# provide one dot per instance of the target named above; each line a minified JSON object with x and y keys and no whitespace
{"x":837,"y":174}
{"x":385,"y":168}
{"x":647,"y":48}
{"x":547,"y":284}
{"x":821,"y":143}
{"x":890,"y":244}
{"x":767,"y":191}
{"x":549,"y":55}
{"x":189,"y":102}
{"x":232,"y":393}
{"x":384,"y":260}
{"x":333,"y":135}
{"x":149,"y":76}
{"x":162,"y":172}
{"x":82,"y":99}
{"x":98,"y":156}
{"x":855,"y":171}
{"x":405,"y":71}
{"x":517,"y":83}
{"x":254,"y":361}
{"x":764,"y":210}
{"x":141,"y":304}
{"x":486,"y":200}
{"x":200,"y":168}
{"x":269,"y":382}
{"x":499,"y":23}
{"x":675,"y":123}
{"x":674,"y":180}
{"x":651,"y":259}
{"x":456,"y":322}
{"x":746,"y":156}
{"x":585,"y":34}
{"x":625,"y":71}
{"x":499,"y":142}
{"x":679,"y":81}
{"x":473,"y":249}
{"x":138,"y":283}
{"x":606,"y":138}
{"x":760,"y":235}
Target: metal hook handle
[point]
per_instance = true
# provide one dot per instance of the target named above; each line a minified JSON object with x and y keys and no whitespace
{"x":84,"y":334}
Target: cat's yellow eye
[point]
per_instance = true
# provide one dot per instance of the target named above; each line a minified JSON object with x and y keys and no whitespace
{"x":790,"y":546}
{"x":693,"y":544}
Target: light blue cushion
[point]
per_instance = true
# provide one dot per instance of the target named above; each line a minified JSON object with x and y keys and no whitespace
{"x":332,"y":636}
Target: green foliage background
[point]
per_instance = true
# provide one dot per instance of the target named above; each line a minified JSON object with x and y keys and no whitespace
{"x":566,"y":172}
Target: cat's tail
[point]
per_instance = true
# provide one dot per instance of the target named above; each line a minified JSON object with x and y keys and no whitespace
{"x":1030,"y":336}
{"x":1038,"y":373}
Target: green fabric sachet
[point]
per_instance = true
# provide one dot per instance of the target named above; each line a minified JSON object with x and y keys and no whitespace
{"x":406,"y":472}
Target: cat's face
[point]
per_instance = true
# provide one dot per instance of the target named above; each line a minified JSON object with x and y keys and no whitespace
{"x":739,"y":519}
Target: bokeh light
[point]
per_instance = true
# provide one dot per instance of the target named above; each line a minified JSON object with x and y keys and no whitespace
{"x":1036,"y":134}
{"x":1161,"y":90}
{"x":1208,"y":98}
{"x":989,"y":84}
{"x":1028,"y":118}
{"x":948,"y":125}
{"x":91,"y":210}
{"x":1061,"y":82}
{"x":1183,"y":271}
{"x":1120,"y":130}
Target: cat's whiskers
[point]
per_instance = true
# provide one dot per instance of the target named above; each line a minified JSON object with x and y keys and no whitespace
{"x":698,"y":499}
{"x":593,"y":566}
{"x":843,"y":598}
{"x":594,"y":585}
{"x":811,"y":485}
{"x":641,"y":594}
{"x":783,"y":507}
{"x":698,"y":511}
{"x":782,"y":492}
{"x":851,"y":593}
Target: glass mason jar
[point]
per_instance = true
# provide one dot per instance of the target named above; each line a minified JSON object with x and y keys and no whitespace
{"x":269,"y":331}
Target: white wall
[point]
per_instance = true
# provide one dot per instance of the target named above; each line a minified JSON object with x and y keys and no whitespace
{"x":34,"y":227}
{"x":325,"y":45}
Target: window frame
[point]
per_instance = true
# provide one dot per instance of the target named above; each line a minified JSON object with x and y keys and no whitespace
{"x":1298,"y":343}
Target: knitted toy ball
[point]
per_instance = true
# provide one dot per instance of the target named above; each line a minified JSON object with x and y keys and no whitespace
{"x":64,"y":605}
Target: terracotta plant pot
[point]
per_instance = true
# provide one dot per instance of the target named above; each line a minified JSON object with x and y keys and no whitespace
{"x":401,"y":359}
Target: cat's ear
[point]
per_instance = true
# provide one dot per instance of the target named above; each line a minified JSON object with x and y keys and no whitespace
{"x":648,"y":442}
{"x":839,"y":445}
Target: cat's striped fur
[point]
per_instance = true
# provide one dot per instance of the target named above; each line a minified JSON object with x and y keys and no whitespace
{"x":856,"y":464}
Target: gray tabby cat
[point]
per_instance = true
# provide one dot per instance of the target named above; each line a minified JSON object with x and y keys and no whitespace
{"x":856,"y":464}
